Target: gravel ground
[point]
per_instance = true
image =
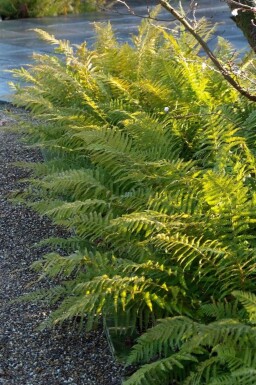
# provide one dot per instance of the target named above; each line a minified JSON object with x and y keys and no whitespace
{"x":28,"y":357}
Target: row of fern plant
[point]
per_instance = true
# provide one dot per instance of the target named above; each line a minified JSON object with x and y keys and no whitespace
{"x":150,"y":165}
{"x":15,"y":9}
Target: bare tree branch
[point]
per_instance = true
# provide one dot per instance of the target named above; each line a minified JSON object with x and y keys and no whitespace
{"x":226,"y":74}
{"x":242,"y":6}
{"x":130,"y":11}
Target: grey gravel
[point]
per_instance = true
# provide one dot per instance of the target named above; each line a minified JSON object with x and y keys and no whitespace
{"x":60,"y":356}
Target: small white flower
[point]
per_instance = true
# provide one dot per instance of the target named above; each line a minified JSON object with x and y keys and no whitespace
{"x":166,"y":109}
{"x":234,"y":12}
{"x":204,"y":66}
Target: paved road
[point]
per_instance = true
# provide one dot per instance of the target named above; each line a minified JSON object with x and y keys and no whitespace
{"x":18,"y":41}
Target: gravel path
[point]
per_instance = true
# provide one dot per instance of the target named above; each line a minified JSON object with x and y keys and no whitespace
{"x":28,"y":357}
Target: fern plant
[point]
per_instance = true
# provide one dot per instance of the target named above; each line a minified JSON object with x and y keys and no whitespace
{"x":150,"y":164}
{"x":221,"y":352}
{"x":14,"y":9}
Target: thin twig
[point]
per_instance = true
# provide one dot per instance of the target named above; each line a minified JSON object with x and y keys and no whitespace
{"x":242,"y":6}
{"x":132,"y":12}
{"x":225,"y":73}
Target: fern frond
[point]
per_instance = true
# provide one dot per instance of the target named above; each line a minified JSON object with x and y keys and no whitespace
{"x":63,"y":45}
{"x":160,"y":372}
{"x":245,"y":376}
{"x":220,"y":310}
{"x":168,"y":334}
{"x":248,"y":300}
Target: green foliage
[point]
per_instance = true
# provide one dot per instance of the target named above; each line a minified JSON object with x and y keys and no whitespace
{"x":150,"y":164}
{"x":221,"y":352}
{"x":38,"y":8}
